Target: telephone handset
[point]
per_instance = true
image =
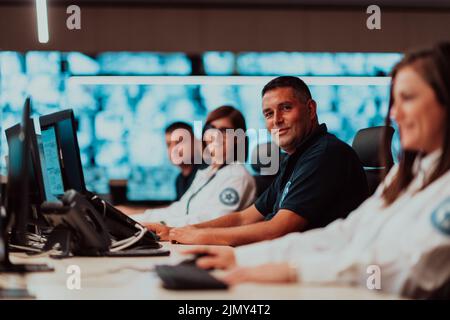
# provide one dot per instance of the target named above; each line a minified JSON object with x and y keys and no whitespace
{"x":76,"y":220}
{"x":86,"y":225}
{"x":120,"y":225}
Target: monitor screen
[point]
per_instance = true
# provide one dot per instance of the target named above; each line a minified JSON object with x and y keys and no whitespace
{"x":61,"y":151}
{"x":53,"y":180}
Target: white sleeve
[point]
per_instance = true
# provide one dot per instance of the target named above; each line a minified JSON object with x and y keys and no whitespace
{"x":233,"y":195}
{"x":291,"y":247}
{"x":416,"y":271}
{"x":415,"y":268}
{"x":413,"y":274}
{"x":159,"y":214}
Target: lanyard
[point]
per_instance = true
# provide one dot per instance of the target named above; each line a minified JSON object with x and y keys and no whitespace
{"x":199,"y":189}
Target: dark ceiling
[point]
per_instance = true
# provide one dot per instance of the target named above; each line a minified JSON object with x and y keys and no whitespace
{"x":272,"y":3}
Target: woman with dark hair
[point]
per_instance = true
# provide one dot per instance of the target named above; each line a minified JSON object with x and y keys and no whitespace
{"x":399,"y":239}
{"x":223,"y":187}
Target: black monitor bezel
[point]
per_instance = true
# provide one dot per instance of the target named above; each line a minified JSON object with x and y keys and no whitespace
{"x":17,"y":206}
{"x":38,"y":179}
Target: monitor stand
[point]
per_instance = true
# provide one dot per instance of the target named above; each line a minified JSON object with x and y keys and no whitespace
{"x":24,"y":268}
{"x":6,"y":266}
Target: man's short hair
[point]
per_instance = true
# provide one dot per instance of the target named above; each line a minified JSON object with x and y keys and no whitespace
{"x":300,"y":88}
{"x":178,"y":125}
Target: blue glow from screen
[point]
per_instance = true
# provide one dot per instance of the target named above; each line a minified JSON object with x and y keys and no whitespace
{"x":121,"y":127}
{"x":52,"y":171}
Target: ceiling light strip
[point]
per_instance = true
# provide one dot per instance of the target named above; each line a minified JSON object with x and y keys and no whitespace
{"x":223,"y":80}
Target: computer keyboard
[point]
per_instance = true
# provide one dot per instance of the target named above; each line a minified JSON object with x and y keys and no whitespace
{"x":188,"y":277}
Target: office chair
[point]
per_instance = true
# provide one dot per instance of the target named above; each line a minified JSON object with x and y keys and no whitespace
{"x":266,"y":160}
{"x":367,"y":144}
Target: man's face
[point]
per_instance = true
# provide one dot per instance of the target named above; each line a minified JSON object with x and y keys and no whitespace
{"x":180,"y":146}
{"x":288,"y":119}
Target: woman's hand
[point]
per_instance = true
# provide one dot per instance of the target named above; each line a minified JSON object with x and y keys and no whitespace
{"x":188,"y":235}
{"x":266,"y":273}
{"x":161,"y":230}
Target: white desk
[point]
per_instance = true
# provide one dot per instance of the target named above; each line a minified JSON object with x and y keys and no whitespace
{"x":133,"y":278}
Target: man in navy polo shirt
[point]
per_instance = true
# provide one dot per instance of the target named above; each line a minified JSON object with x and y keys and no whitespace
{"x":319,"y":181}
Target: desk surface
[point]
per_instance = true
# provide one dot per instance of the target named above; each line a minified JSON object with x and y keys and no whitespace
{"x":133,"y":278}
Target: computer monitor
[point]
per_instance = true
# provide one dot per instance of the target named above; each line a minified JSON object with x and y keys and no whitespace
{"x":19,"y":165}
{"x":62,"y":153}
{"x":36,"y":180}
{"x":36,"y":190}
{"x":63,"y":162}
{"x":17,"y":191}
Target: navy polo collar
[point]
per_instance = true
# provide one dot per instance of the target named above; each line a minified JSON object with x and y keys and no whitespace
{"x":320,"y":131}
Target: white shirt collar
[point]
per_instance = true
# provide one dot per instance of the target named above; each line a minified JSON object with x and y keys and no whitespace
{"x":208,"y":171}
{"x":424,"y":165}
{"x":428,"y":162}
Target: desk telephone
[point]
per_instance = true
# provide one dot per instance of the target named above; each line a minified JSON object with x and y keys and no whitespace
{"x":86,"y":225}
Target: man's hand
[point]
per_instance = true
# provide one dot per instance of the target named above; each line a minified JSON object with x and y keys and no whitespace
{"x":217,"y":257}
{"x":266,"y":273}
{"x":187,"y":235}
{"x":161,"y":230}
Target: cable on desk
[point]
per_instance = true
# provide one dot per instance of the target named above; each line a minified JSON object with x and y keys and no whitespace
{"x":38,"y":253}
{"x":124,"y":243}
{"x":119,"y":269}
{"x":133,"y":241}
{"x":118,"y":243}
{"x":25,"y":248}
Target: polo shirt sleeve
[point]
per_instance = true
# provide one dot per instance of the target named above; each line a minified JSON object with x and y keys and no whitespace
{"x":316,"y":182}
{"x":266,"y":201}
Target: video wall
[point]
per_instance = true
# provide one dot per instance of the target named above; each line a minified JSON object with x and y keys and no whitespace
{"x":121,"y":126}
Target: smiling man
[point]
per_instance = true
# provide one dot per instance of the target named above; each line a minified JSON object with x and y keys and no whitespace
{"x":319,"y":181}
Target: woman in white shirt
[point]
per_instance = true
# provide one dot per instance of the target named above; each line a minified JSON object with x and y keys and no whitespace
{"x":399,"y":239}
{"x":223,"y":187}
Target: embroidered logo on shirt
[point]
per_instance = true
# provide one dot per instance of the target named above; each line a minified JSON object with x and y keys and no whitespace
{"x":441,"y":217}
{"x":229,"y":197}
{"x":285,"y":192}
